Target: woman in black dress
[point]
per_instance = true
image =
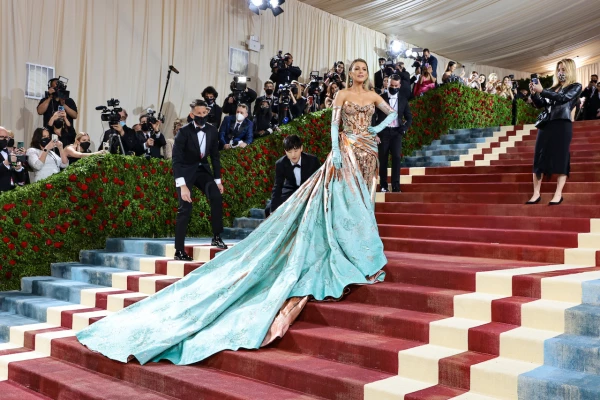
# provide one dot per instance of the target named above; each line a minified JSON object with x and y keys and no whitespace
{"x":554,"y":137}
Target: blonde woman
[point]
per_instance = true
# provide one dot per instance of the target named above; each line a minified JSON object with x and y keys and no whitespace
{"x":553,"y":141}
{"x":168,"y":149}
{"x":492,"y":83}
{"x":81,"y":148}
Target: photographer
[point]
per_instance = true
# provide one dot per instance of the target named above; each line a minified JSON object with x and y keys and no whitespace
{"x":264,"y":120}
{"x":236,"y":131}
{"x":12,"y":172}
{"x":285,"y":72}
{"x":269,"y":96}
{"x":379,"y":75}
{"x":59,"y":125}
{"x":473,"y":81}
{"x":41,"y":157}
{"x":57,"y":96}
{"x":299,"y":103}
{"x":153,"y":141}
{"x":591,"y":106}
{"x":210,"y":94}
{"x":337,"y":74}
{"x":131,"y":144}
{"x":236,"y":97}
{"x":81,"y":148}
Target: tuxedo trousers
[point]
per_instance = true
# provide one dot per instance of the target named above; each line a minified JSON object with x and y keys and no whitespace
{"x":206,"y":184}
{"x":391,"y":142}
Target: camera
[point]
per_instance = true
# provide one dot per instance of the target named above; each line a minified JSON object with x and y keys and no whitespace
{"x":279,"y":61}
{"x":153,"y":119}
{"x":110,"y":112}
{"x":60,"y":90}
{"x":314,"y":86}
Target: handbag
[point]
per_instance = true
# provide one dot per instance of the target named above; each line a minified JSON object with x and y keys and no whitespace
{"x":542,"y":119}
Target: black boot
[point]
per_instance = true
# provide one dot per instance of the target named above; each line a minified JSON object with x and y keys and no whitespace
{"x":182,"y":256}
{"x":218,"y":242}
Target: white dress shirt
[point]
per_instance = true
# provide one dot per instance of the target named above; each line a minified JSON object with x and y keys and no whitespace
{"x":202,"y":142}
{"x":393,"y":101}
{"x":297,"y":172}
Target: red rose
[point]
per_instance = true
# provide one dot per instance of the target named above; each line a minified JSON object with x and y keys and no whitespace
{"x":11,"y":246}
{"x":52,"y":214}
{"x":84,"y":187}
{"x":48,"y":186}
{"x":35,"y":248}
{"x":73,"y":199}
{"x":8,"y":207}
{"x":24,"y":213}
{"x":127,"y":165}
{"x":24,"y":245}
{"x":44,"y":195}
{"x":126,"y":203}
{"x":48,"y":242}
{"x":14,"y":234}
{"x":17,"y":221}
{"x":105,"y":180}
{"x":128,"y":224}
{"x":72,"y":177}
{"x":58,"y":245}
{"x":12,"y":262}
{"x":89,"y":217}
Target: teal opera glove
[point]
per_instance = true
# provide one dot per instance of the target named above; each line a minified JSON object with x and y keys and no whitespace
{"x":336,"y":156}
{"x":374,"y":130}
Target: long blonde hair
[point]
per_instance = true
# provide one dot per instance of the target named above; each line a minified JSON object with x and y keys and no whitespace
{"x":366,"y":83}
{"x":570,"y":71}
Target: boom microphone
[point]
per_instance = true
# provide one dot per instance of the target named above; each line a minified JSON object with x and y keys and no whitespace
{"x":100,"y":108}
{"x":172,"y":68}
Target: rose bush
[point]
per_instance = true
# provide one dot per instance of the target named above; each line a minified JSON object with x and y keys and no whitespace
{"x":115,"y":196}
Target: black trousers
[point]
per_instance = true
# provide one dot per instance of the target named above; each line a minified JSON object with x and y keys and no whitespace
{"x":206,"y":183}
{"x":391,"y":142}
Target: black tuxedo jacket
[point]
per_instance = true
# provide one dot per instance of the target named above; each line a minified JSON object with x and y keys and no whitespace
{"x":130,"y":142}
{"x":186,"y":153}
{"x":7,"y":173}
{"x":285,"y":180}
{"x":403,"y":111}
{"x":379,"y":79}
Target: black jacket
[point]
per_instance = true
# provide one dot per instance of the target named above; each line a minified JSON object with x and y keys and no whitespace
{"x":154,"y":151}
{"x":186,"y":153}
{"x":433,"y":62}
{"x":274,"y":104}
{"x":379,"y":79}
{"x":561,"y":103}
{"x":403,"y":111}
{"x":247,"y":98}
{"x":8,"y":174}
{"x":592,"y":103}
{"x":287,"y":75}
{"x":131,"y":143}
{"x":215,"y":115}
{"x":285,"y":180}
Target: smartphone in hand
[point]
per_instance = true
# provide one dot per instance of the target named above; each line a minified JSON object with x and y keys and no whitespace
{"x":54,"y":138}
{"x":61,"y":108}
{"x":534,"y":79}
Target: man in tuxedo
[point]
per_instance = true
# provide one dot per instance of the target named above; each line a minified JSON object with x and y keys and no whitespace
{"x":379,"y":75}
{"x":9,"y":176}
{"x":391,"y":136}
{"x":151,"y":138}
{"x":131,"y":144}
{"x":271,"y":98}
{"x":591,"y":94}
{"x":431,"y":60}
{"x":215,"y":113}
{"x":236,"y":130}
{"x":194,"y":143}
{"x":291,"y":171}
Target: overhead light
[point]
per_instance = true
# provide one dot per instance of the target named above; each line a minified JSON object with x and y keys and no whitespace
{"x":274,"y":3}
{"x":395,"y":48}
{"x":408,"y":53}
{"x":257,"y":5}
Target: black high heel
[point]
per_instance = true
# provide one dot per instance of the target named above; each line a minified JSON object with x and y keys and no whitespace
{"x":555,"y":203}
{"x":535,"y":201}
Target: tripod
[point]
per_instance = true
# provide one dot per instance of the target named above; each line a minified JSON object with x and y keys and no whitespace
{"x":114,"y":139}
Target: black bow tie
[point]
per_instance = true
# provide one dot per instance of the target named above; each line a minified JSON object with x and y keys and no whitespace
{"x":197,"y":128}
{"x":297,"y":166}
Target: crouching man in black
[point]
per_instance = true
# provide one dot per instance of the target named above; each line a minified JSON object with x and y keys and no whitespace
{"x":291,"y":171}
{"x":194,"y":143}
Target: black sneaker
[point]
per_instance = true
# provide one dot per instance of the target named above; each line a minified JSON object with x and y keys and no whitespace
{"x":182,"y":256}
{"x":218,"y":242}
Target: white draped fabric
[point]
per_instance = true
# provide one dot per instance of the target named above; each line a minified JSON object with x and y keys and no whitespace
{"x":523,"y":35}
{"x":122,"y":49}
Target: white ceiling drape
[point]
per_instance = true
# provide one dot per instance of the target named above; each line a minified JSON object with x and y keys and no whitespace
{"x":524,"y":35}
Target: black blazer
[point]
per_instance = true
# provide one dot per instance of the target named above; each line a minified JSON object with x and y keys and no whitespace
{"x":285,"y":180}
{"x":403,"y":111}
{"x":186,"y":153}
{"x":159,"y":143}
{"x":561,"y":103}
{"x":7,"y":173}
{"x":379,"y":79}
{"x":130,"y":141}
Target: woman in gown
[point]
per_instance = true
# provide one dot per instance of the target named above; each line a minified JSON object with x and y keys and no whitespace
{"x":323,"y":239}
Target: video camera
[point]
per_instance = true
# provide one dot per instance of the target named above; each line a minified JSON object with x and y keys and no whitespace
{"x":110,"y":112}
{"x":314,"y":86}
{"x":279,"y":60}
{"x":60,"y":90}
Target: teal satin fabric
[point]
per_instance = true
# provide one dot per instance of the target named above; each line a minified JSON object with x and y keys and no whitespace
{"x":321,"y":240}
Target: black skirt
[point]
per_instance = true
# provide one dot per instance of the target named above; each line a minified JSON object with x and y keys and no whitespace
{"x":552,"y":148}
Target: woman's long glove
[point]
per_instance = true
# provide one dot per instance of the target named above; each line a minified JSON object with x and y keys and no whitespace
{"x":336,"y":156}
{"x":374,"y":130}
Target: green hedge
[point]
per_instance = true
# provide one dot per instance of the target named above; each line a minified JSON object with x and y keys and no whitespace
{"x":115,"y":196}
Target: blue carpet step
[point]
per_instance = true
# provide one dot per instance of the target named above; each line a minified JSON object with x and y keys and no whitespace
{"x":149,"y":247}
{"x":429,"y":153}
{"x":92,"y":274}
{"x":551,"y":383}
{"x":8,"y":319}
{"x":258,"y":213}
{"x":583,"y":320}
{"x":575,"y":353}
{"x":247,"y":223}
{"x":236,"y":233}
{"x":128,"y":261}
{"x":56,"y":288}
{"x":29,"y":305}
{"x":453,"y":146}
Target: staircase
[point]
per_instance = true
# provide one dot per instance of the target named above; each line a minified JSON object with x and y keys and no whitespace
{"x":484,"y":298}
{"x":242,"y":227}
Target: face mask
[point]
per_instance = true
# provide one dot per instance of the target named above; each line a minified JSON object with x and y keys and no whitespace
{"x":3,"y":143}
{"x":562,"y":77}
{"x":146,"y":127}
{"x":393,"y":91}
{"x":45,"y":141}
{"x":11,"y":142}
{"x":200,"y":121}
{"x":240,"y":117}
{"x":122,"y":123}
{"x":210,"y":102}
{"x":58,"y":124}
{"x":269,"y":92}
{"x":264,"y":110}
{"x":84,"y":146}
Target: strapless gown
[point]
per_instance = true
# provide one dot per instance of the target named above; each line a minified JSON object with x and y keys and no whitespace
{"x":321,"y":240}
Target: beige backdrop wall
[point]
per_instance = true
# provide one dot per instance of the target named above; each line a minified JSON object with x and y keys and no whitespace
{"x":122,"y":49}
